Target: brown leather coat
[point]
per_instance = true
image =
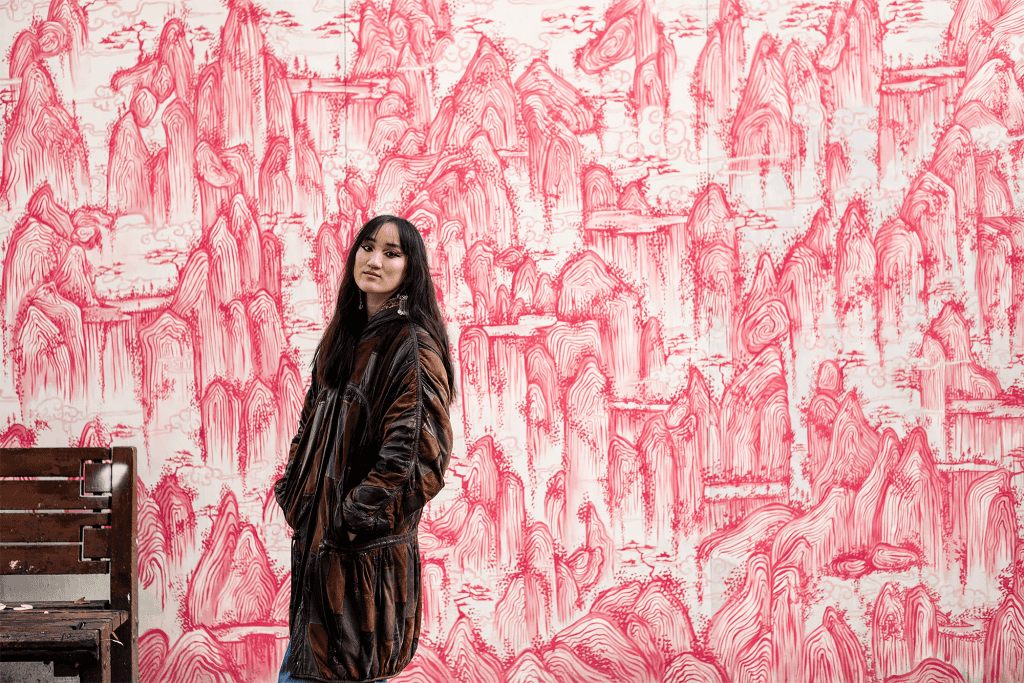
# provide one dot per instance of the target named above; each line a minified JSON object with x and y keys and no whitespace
{"x":365,"y":460}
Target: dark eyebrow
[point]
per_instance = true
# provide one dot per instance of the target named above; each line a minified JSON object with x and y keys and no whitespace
{"x":388,"y":244}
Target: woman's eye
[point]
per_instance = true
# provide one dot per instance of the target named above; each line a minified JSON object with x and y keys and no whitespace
{"x":393,"y":254}
{"x":366,"y":247}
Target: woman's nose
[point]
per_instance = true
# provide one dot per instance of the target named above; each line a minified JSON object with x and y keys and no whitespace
{"x":375,"y":259}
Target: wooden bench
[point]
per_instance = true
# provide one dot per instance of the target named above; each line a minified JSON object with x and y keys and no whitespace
{"x":75,"y":514}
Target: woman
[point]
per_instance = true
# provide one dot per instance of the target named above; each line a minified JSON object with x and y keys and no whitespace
{"x":372,"y":446}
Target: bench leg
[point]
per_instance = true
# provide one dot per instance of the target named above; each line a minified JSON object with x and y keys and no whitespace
{"x":124,"y":655}
{"x":98,"y":671}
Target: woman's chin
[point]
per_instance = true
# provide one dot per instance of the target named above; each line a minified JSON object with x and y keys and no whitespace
{"x":373,"y":289}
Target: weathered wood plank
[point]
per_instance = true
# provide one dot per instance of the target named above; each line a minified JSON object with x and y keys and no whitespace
{"x":49,"y":495}
{"x":68,"y":606}
{"x":40,"y":618}
{"x":95,"y":543}
{"x":33,"y":527}
{"x":16,"y":624}
{"x":47,"y":462}
{"x":124,"y":562}
{"x":47,"y":559}
{"x":47,"y":636}
{"x":85,"y":635}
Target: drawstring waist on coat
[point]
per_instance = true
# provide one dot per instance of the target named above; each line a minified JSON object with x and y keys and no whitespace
{"x":385,"y":542}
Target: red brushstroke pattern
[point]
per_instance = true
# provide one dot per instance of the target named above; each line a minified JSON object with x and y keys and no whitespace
{"x":738,"y":349}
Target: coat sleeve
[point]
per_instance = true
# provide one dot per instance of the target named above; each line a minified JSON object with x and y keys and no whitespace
{"x":417,"y":438}
{"x":285,"y":488}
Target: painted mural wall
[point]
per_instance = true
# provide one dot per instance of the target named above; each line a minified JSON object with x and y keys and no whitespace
{"x":735,"y":291}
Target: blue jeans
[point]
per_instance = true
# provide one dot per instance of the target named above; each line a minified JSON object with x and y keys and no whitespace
{"x":286,"y":676}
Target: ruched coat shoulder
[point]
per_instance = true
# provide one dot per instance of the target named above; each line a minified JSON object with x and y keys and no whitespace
{"x":366,"y":458}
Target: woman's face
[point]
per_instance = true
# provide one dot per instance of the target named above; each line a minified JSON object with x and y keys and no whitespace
{"x":380,"y":265}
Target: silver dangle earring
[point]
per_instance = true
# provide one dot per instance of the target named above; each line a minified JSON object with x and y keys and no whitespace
{"x":361,"y":295}
{"x":401,"y":304}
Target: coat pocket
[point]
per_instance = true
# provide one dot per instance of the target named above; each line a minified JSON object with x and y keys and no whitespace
{"x":374,"y":596}
{"x":294,"y":493}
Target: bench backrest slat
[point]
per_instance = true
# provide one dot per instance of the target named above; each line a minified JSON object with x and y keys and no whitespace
{"x":43,"y":527}
{"x":49,"y":495}
{"x":51,"y":559}
{"x":47,"y":462}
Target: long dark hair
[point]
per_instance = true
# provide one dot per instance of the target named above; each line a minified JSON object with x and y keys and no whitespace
{"x":336,"y":352}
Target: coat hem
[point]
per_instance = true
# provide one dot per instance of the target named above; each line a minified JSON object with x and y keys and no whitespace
{"x":317,"y":679}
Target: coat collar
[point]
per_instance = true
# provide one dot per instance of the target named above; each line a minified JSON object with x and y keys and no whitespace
{"x":387,"y":313}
